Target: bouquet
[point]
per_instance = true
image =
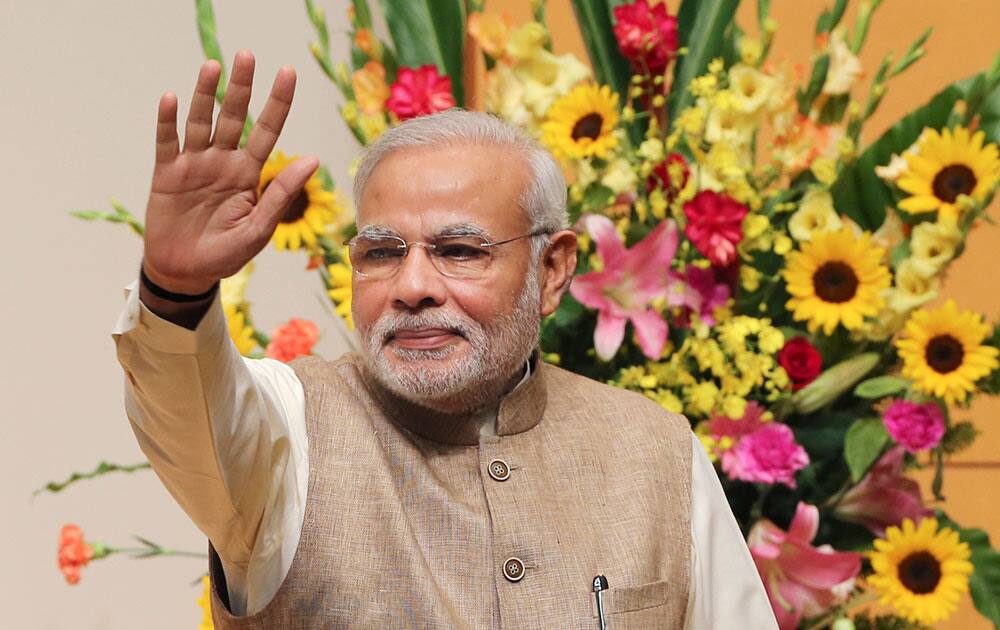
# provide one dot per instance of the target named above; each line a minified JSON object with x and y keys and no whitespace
{"x":744,"y":260}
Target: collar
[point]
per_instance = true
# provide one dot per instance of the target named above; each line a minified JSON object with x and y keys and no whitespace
{"x":518,"y":411}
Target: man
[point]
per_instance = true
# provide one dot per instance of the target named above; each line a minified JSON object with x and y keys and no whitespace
{"x":443,"y":476}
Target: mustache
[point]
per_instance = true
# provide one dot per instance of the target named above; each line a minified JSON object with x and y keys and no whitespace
{"x":390,"y":324}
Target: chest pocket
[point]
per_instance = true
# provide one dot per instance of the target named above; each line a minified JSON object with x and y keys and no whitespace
{"x":649,"y":606}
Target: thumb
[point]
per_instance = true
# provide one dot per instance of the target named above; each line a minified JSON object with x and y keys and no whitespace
{"x":281,"y":191}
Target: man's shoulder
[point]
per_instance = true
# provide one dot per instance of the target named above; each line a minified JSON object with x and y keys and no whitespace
{"x":581,"y":396}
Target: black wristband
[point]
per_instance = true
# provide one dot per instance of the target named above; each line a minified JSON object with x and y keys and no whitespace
{"x":160,"y":292}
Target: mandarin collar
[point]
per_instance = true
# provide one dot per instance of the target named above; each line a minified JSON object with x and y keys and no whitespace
{"x":517,"y":412}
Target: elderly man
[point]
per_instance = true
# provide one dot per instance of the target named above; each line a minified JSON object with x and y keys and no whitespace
{"x":442,"y":477}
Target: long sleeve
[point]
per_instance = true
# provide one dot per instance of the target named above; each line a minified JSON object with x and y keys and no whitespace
{"x":225,"y":435}
{"x":726,"y":590}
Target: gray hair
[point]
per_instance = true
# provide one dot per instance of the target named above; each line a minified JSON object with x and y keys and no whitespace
{"x":543,"y":200}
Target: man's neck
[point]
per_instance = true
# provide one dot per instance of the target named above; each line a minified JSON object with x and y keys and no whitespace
{"x":441,"y":424}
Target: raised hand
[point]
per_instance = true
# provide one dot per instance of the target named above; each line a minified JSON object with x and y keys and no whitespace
{"x":204,"y":220}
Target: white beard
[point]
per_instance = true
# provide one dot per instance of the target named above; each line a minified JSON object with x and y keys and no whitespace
{"x":498,"y":350}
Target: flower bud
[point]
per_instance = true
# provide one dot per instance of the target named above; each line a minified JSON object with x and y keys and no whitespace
{"x":833,"y":382}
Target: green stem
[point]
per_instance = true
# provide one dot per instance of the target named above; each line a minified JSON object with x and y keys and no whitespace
{"x":145,"y":552}
{"x":103,"y":468}
{"x":860,"y":599}
{"x":210,"y":45}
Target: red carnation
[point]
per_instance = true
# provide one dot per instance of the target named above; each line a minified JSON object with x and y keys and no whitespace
{"x":294,"y":339}
{"x":660,"y":176}
{"x":418,"y":92}
{"x":801,"y":360}
{"x":74,"y":553}
{"x":715,"y":226}
{"x":647,"y":36}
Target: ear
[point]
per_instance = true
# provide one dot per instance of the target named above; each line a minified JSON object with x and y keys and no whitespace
{"x":557,"y":269}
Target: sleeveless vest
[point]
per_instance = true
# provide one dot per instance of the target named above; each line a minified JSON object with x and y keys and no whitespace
{"x":416,"y":521}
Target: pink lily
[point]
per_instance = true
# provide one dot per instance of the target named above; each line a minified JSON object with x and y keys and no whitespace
{"x":801,"y":580}
{"x":883,"y":497}
{"x":631,"y":279}
{"x":698,"y":292}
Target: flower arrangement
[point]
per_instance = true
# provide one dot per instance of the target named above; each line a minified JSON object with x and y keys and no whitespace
{"x":743,"y":261}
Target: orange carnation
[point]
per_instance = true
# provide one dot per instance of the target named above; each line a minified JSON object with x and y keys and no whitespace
{"x":74,"y":552}
{"x":294,"y":339}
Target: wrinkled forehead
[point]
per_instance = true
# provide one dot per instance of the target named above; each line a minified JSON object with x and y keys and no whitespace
{"x":420,"y":192}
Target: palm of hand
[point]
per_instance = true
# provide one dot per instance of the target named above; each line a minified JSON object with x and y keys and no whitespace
{"x":204,"y":220}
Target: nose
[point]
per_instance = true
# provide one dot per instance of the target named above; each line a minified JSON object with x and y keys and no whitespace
{"x":418,"y":284}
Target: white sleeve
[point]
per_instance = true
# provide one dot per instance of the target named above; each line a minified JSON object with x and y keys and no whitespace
{"x":225,"y":435}
{"x":726,"y":590}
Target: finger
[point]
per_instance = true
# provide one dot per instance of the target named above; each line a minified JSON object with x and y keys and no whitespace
{"x":167,"y":144}
{"x":199,"y":120}
{"x":280,"y":193}
{"x":265,"y":133}
{"x":233,"y":115}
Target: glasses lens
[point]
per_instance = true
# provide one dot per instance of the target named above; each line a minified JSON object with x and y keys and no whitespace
{"x":377,"y":257}
{"x":460,"y":257}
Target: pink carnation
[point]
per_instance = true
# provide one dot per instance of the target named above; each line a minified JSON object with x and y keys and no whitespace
{"x":647,"y":35}
{"x":420,"y":91}
{"x":294,"y":339}
{"x":715,"y":226}
{"x":914,"y":426}
{"x":768,"y":455}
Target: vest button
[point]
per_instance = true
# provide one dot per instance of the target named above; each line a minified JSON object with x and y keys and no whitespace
{"x":513,"y":569}
{"x":499,"y":470}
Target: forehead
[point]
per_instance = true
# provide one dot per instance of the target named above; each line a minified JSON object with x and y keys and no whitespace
{"x":418,"y":190}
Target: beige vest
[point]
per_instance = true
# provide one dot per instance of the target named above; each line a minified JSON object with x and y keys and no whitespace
{"x":415,"y":521}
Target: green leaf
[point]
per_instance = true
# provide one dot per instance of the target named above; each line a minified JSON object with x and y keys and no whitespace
{"x":702,"y":28}
{"x":863,"y":444}
{"x":989,"y":115}
{"x":984,"y":583}
{"x":880,"y":387}
{"x":429,"y":31}
{"x":362,"y":14}
{"x":808,"y":95}
{"x":610,"y":68}
{"x":859,"y":192}
{"x":828,"y":20}
{"x":568,"y":313}
{"x":958,"y":437}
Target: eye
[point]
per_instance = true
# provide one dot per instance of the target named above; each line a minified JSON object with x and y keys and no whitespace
{"x":460,"y":251}
{"x":381,"y":253}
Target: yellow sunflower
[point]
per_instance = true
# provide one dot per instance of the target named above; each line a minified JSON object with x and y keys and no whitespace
{"x":205,"y":603}
{"x":234,"y":288}
{"x":239,"y":331}
{"x":836,"y":278}
{"x":309,"y":214}
{"x":921,"y":571}
{"x":945,"y":166}
{"x":582,"y":123}
{"x":942,"y":351}
{"x":339,"y":287}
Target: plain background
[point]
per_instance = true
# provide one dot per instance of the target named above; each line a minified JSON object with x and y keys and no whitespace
{"x":80,"y":83}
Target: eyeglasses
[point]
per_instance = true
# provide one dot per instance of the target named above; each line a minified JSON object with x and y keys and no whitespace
{"x":379,"y":257}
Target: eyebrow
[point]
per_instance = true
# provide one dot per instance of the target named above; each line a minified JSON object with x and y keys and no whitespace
{"x":376,"y":230}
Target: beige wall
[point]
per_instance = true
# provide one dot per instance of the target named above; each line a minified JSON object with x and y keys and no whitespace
{"x":80,"y":86}
{"x":80,"y":83}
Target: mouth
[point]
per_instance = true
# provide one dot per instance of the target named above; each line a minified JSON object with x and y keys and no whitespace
{"x":423,"y":338}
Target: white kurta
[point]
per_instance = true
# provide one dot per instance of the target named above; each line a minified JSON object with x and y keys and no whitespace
{"x":200,"y":416}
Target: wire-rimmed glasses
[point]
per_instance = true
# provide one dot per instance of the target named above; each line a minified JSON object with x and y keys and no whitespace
{"x":379,"y":257}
